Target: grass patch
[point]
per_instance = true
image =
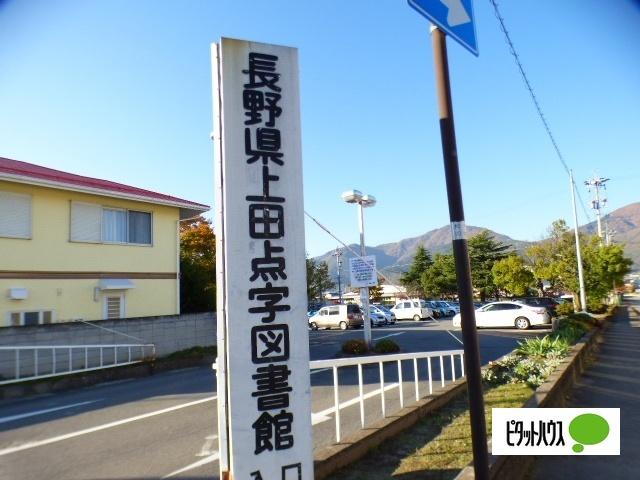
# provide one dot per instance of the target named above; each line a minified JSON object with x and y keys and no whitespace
{"x":194,"y":352}
{"x":438,"y":446}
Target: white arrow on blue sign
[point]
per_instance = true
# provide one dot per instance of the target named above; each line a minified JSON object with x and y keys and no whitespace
{"x":454,"y":17}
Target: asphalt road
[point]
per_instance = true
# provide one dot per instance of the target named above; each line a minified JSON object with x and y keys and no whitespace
{"x":165,"y":426}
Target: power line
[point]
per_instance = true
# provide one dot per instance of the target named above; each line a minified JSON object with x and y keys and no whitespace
{"x":516,"y":57}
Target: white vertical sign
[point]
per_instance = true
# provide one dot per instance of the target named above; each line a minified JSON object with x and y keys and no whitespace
{"x":263,"y":350}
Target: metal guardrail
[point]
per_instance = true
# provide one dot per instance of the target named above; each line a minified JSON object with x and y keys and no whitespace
{"x":358,"y":362}
{"x":42,"y":361}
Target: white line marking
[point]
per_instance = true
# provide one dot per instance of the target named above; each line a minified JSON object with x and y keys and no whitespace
{"x":449,"y":332}
{"x":42,"y":412}
{"x":117,"y":423}
{"x":390,"y":335}
{"x":206,"y":451}
{"x":319,"y":370}
{"x":322,"y":416}
{"x":197,"y":464}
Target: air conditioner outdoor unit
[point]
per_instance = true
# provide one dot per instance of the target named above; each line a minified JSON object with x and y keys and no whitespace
{"x":18,"y":293}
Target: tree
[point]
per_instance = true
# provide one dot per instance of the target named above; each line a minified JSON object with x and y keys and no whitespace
{"x":511,"y":275}
{"x":544,"y":255}
{"x":439,"y":280}
{"x":412,"y":278}
{"x":484,"y":251}
{"x":197,"y":266}
{"x":318,"y":280}
{"x":555,"y":260}
{"x":375,"y":293}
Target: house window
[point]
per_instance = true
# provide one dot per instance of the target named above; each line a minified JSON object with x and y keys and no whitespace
{"x":15,"y":215}
{"x":98,"y":224}
{"x":114,"y":225}
{"x":114,"y":306}
{"x":28,"y":318}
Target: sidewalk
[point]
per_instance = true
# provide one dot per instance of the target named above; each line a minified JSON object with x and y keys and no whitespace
{"x":612,"y":381}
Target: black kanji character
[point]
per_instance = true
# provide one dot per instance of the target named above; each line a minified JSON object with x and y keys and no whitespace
{"x":266,"y":196}
{"x":262,"y":71}
{"x":270,"y":343}
{"x":268,"y":145}
{"x":269,"y":265}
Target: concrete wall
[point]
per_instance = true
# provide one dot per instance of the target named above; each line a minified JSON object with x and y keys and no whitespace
{"x":169,"y":334}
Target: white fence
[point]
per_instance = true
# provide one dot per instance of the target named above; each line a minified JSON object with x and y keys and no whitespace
{"x":41,"y":361}
{"x":441,"y":357}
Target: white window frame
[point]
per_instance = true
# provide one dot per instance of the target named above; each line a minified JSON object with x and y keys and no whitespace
{"x":108,"y":207}
{"x":123,"y":304}
{"x":29,"y":197}
{"x":31,"y":310}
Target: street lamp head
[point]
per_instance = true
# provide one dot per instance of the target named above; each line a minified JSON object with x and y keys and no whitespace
{"x":368,"y":201}
{"x":352,"y":196}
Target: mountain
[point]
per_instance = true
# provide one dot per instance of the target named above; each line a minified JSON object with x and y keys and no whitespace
{"x":394,"y":258}
{"x":625,"y":223}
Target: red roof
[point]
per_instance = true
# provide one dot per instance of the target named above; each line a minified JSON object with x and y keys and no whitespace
{"x":26,"y":171}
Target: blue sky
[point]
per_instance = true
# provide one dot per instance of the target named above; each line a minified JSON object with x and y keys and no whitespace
{"x":121,"y":90}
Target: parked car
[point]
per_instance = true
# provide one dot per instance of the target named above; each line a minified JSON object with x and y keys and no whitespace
{"x":449,"y":308}
{"x":389,"y":316}
{"x":547,"y":302}
{"x":337,"y":316}
{"x":412,"y":309}
{"x":437,"y":311}
{"x":508,"y":314}
{"x":376,"y":318}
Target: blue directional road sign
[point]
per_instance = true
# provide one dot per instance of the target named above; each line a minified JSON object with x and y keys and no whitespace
{"x":454,"y":17}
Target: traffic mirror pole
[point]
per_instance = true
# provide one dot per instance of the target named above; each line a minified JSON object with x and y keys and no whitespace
{"x":461,"y":255}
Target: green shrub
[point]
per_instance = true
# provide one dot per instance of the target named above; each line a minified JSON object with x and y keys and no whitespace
{"x":564,"y":309}
{"x":194,"y":352}
{"x":386,"y":346}
{"x":520,"y":369}
{"x":555,"y":346}
{"x":357,"y":347}
{"x":596,"y":306}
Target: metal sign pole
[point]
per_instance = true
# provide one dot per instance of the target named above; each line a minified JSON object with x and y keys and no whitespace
{"x":461,"y":255}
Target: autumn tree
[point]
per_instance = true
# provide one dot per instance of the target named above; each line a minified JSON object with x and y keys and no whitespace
{"x":197,"y":266}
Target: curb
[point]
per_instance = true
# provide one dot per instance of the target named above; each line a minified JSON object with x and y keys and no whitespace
{"x":552,"y":393}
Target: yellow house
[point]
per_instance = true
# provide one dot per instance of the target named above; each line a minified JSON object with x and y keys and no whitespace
{"x":74,"y":247}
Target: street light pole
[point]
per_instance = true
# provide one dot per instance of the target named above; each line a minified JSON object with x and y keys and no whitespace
{"x":355,"y":196}
{"x":364,"y":291}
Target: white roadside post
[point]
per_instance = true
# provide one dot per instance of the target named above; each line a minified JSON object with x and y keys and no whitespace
{"x":355,"y":196}
{"x":264,"y":394}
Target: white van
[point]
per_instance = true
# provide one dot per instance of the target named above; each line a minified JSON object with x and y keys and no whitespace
{"x":412,"y":309}
{"x":337,"y":316}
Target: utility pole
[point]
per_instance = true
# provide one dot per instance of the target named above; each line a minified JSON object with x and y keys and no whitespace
{"x":608,"y":233}
{"x":338,"y":255}
{"x":461,"y":256}
{"x":597,"y":204}
{"x":583,"y":295}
